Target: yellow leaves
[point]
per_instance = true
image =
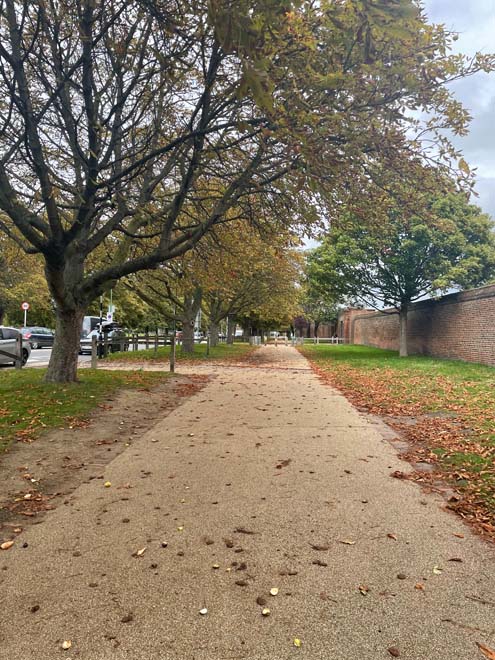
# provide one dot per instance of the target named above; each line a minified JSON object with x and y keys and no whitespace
{"x":297,"y":642}
{"x":107,"y":484}
{"x":7,"y":545}
{"x":464,"y":167}
{"x":273,"y":591}
{"x":66,"y":644}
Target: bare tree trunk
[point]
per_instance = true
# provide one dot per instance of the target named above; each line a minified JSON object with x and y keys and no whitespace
{"x":403,"y":331}
{"x":192,"y":303}
{"x":317,"y":325}
{"x":63,"y":360}
{"x":230,"y":329}
{"x":62,"y":281}
{"x":214,"y":332}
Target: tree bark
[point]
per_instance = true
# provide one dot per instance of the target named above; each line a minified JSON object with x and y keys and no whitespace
{"x":192,"y":303}
{"x":214,"y":332}
{"x":317,"y":325}
{"x":403,"y":331}
{"x":63,"y":360}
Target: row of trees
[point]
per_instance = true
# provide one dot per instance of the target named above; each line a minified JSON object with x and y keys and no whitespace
{"x":130,"y":129}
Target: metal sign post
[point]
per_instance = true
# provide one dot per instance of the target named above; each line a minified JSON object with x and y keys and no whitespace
{"x":25,"y":307}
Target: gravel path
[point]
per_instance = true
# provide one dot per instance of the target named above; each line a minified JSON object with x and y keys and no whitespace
{"x":265,"y":479}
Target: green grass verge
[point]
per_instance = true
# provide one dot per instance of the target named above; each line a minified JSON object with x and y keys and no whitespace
{"x":453,"y":403}
{"x":221,"y":352}
{"x":29,"y":406}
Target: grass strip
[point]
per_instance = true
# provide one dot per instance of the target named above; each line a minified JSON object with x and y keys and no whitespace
{"x":221,"y":353}
{"x":29,"y":406}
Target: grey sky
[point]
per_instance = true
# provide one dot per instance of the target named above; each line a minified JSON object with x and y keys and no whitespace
{"x":474,"y":20}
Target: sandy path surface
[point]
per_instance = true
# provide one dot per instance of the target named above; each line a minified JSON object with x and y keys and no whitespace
{"x":275,"y":478}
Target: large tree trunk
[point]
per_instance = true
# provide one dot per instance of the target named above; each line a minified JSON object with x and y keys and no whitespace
{"x":62,"y":367}
{"x":403,"y":331}
{"x":63,"y":280}
{"x":192,"y":303}
{"x":214,"y":332}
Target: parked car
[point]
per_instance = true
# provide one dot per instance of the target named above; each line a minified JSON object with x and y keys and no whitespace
{"x":8,"y":344}
{"x":114,"y":337}
{"x":38,"y":337}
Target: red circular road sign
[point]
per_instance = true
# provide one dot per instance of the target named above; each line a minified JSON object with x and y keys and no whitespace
{"x":25,"y":306}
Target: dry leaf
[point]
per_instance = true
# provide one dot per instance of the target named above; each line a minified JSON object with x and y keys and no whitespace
{"x":419,"y":586}
{"x":273,"y":591}
{"x":347,"y":542}
{"x":297,"y":642}
{"x":107,"y":484}
{"x":66,"y":645}
{"x":459,"y":536}
{"x":6,"y":545}
{"x":394,"y":652}
{"x":265,"y":611}
{"x":216,"y":566}
{"x":437,"y":570}
{"x":392,"y":536}
{"x":141,"y":552}
{"x":363,"y":589}
{"x":488,"y":653}
{"x":203,"y":611}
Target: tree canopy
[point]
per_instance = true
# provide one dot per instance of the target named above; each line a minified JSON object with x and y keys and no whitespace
{"x":407,"y":256}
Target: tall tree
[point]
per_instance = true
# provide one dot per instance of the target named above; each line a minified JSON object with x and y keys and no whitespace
{"x":135,"y":119}
{"x":407,"y":256}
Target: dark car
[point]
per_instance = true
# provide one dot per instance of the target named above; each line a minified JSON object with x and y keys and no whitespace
{"x":114,"y":339}
{"x":38,"y":337}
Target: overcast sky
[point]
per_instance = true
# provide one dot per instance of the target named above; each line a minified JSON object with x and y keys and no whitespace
{"x":474,"y":20}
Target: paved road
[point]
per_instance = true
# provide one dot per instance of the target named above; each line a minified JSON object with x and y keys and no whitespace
{"x":274,"y":478}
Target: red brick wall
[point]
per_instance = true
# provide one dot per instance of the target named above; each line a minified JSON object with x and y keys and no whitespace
{"x":459,"y":326}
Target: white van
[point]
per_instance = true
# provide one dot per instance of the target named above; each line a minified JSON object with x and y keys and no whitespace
{"x":88,"y":325}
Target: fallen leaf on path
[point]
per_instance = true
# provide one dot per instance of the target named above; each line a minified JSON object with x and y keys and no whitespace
{"x":459,"y":536}
{"x":216,"y":566}
{"x":127,"y":618}
{"x":419,"y":586}
{"x":6,"y":545}
{"x":363,"y":589}
{"x":107,"y":484}
{"x":347,"y":542}
{"x":392,"y":536}
{"x":265,"y":611}
{"x":273,"y":591}
{"x":321,"y":548}
{"x":140,"y":553}
{"x":203,"y":611}
{"x":394,"y":652}
{"x":437,"y":570}
{"x":457,"y":559}
{"x":241,"y":583}
{"x":297,"y":642}
{"x":243,"y":530}
{"x":488,"y":653}
{"x":66,"y":645}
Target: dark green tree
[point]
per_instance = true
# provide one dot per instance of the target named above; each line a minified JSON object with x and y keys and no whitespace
{"x":407,"y":256}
